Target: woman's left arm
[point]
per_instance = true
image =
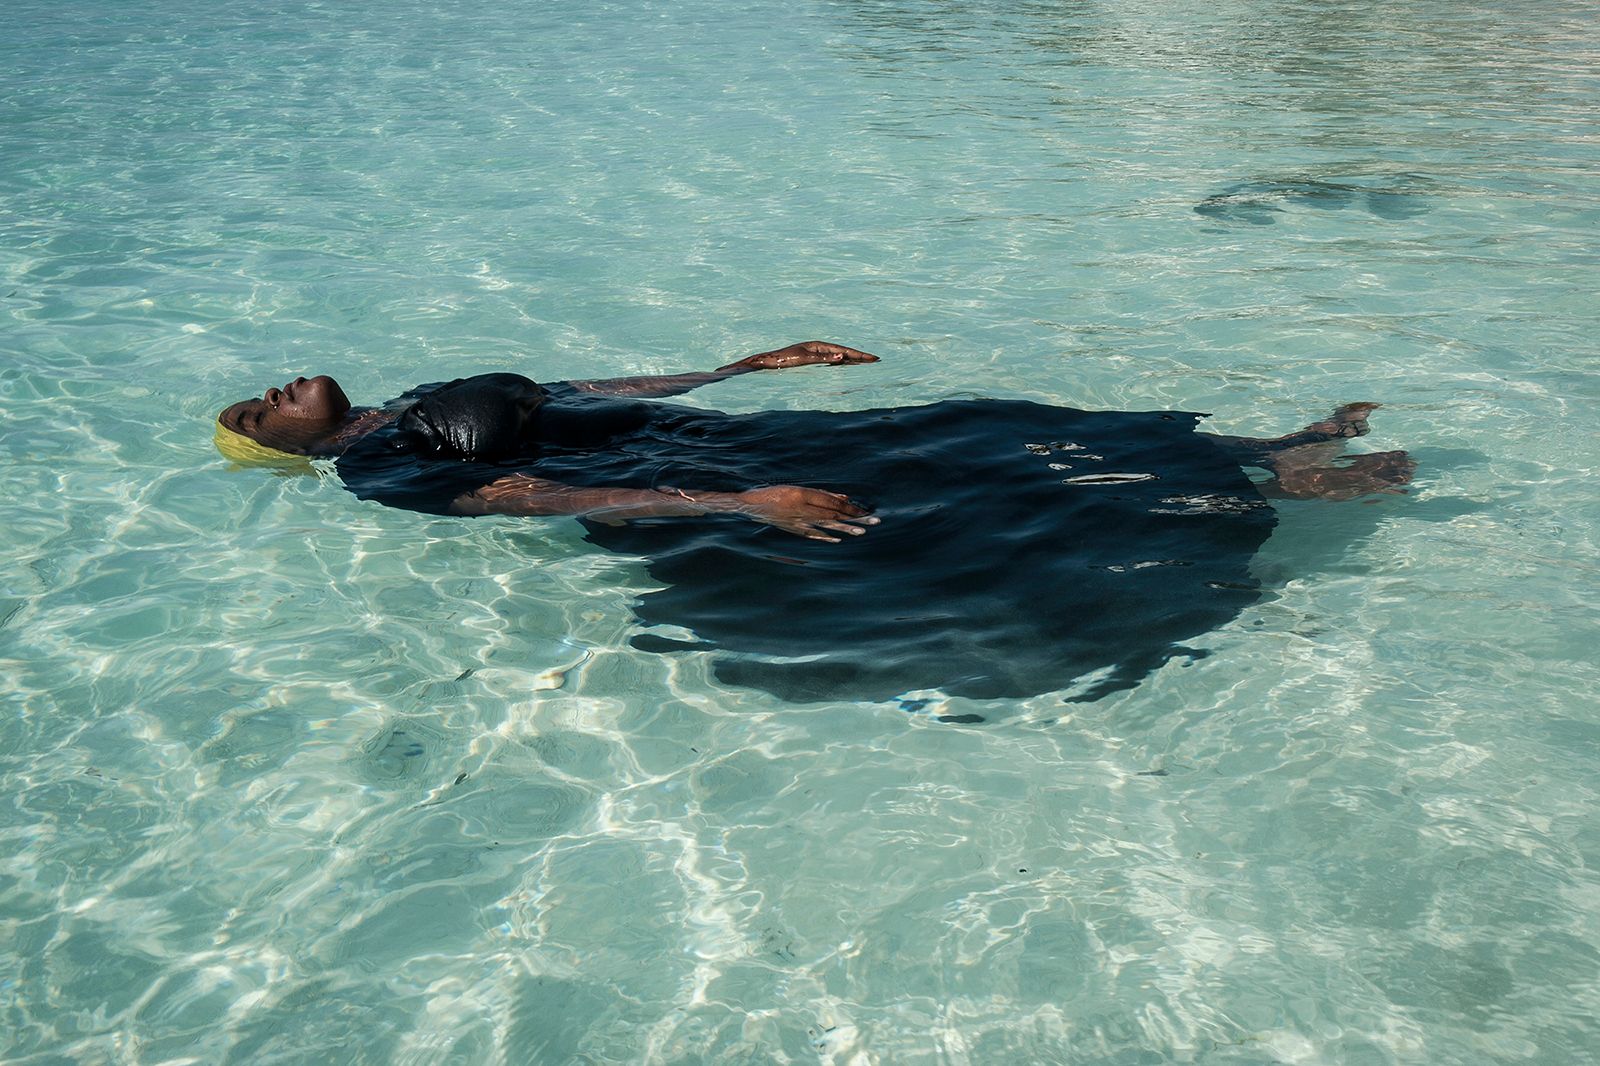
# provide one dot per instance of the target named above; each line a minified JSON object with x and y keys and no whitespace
{"x":806,"y":353}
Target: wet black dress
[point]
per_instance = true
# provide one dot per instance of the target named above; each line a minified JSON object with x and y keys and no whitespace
{"x":1023,"y":548}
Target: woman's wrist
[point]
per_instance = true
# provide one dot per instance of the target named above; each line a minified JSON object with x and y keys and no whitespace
{"x":701,"y":501}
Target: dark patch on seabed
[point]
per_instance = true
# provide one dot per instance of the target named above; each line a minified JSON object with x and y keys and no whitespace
{"x":1262,"y":202}
{"x":1000,"y":570}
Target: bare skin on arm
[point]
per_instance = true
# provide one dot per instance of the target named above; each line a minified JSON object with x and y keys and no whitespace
{"x":806,"y":353}
{"x":811,"y":513}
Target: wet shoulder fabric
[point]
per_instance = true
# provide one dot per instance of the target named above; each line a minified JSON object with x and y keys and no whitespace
{"x":481,"y":418}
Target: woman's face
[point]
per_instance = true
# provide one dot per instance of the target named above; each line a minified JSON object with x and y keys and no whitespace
{"x":290,"y":418}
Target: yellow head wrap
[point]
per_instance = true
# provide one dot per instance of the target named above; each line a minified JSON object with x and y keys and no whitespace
{"x":242,"y":451}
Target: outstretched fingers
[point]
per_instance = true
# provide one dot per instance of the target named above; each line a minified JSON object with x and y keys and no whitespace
{"x":833,"y":513}
{"x":852,"y":526}
{"x":836,"y":353}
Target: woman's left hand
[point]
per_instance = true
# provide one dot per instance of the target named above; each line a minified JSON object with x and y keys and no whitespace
{"x":805,"y":353}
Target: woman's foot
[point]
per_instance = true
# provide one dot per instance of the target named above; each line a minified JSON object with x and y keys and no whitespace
{"x":1361,"y":475}
{"x":1348,"y":421}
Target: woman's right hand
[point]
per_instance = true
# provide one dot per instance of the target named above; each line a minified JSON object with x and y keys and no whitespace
{"x":809,"y":513}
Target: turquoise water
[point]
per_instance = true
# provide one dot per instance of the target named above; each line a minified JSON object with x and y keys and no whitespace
{"x":286,"y":777}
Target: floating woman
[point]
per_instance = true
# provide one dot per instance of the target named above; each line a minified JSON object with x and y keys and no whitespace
{"x":982,"y":548}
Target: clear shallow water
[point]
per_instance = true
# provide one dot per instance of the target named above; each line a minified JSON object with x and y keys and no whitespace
{"x":236,"y":706}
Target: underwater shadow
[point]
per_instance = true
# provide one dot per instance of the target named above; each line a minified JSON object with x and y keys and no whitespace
{"x":1263,"y":202}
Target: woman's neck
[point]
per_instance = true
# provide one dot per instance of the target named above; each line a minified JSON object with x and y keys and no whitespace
{"x":357,"y":423}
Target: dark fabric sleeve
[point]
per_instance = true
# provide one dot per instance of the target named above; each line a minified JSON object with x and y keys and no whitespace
{"x":378,"y":467}
{"x":487,"y":417}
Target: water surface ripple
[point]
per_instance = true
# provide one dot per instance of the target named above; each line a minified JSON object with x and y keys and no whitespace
{"x":286,"y":777}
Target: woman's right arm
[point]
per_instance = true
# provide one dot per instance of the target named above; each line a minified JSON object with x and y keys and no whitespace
{"x":805,"y":512}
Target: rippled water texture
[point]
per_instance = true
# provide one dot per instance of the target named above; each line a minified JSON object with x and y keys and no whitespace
{"x":287,"y":777}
